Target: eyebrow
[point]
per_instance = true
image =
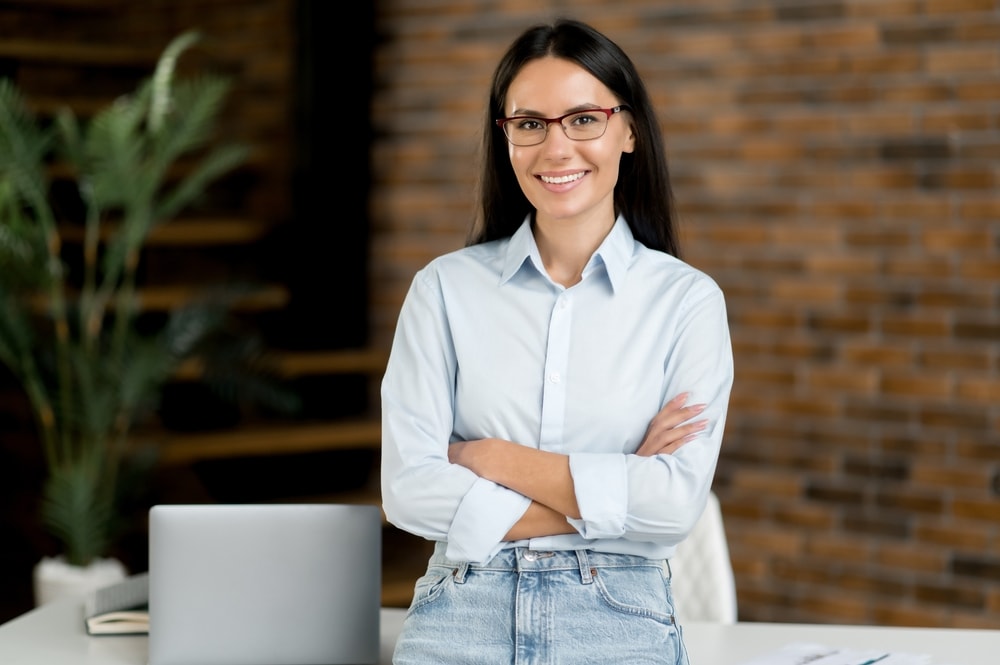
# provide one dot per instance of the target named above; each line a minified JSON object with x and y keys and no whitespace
{"x":538,"y":114}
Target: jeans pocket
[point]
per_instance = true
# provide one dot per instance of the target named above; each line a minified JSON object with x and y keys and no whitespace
{"x":636,"y":591}
{"x":430,"y":585}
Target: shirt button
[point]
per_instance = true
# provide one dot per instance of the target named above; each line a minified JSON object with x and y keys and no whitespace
{"x":554,"y":377}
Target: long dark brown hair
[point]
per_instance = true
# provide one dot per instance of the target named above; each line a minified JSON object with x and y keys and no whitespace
{"x":642,"y":194}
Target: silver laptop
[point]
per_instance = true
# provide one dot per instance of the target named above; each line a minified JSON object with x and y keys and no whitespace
{"x":263,"y":584}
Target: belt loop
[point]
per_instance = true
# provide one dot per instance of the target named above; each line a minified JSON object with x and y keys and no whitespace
{"x":586,"y":572}
{"x":460,"y":571}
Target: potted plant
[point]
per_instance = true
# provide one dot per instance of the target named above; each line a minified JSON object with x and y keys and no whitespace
{"x":69,"y":328}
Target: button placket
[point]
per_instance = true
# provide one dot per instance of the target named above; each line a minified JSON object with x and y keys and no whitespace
{"x":556,"y":362}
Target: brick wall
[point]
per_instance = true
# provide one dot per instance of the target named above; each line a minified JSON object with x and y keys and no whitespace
{"x":836,"y":164}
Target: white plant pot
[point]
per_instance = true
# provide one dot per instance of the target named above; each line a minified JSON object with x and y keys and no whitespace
{"x":54,"y":578}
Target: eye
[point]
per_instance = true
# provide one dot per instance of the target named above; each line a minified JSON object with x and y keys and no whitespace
{"x":529,"y":125}
{"x":583,"y":119}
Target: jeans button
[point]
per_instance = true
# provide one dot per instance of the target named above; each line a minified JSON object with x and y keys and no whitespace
{"x":530,"y":555}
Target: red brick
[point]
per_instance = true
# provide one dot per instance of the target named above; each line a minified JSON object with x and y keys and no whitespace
{"x":898,"y":62}
{"x":811,"y":518}
{"x":905,"y":612}
{"x":955,"y":120}
{"x":931,"y":208}
{"x":946,"y":534}
{"x":854,"y":380}
{"x":920,"y":92}
{"x":771,"y":540}
{"x":983,"y":390}
{"x":973,"y":620}
{"x":966,"y":478}
{"x":987,"y":89}
{"x":881,"y":123}
{"x":911,"y":326}
{"x":911,"y":384}
{"x":848,"y":38}
{"x":834,"y":170}
{"x":960,"y":179}
{"x":957,"y":59}
{"x":774,"y":482}
{"x":798,"y":290}
{"x":877,"y":355}
{"x":955,"y":359}
{"x":981,"y":269}
{"x":883,"y":9}
{"x":851,"y":209}
{"x":838,"y":607}
{"x":985,"y":510}
{"x":966,"y":296}
{"x":937,"y":7}
{"x":902,"y":557}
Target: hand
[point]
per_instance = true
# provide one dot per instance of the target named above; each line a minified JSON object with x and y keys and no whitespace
{"x":470,"y":454}
{"x":672,"y":427}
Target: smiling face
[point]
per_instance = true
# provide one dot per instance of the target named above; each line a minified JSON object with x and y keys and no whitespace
{"x":567,"y":180}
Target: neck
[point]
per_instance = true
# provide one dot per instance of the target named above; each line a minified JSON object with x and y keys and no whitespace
{"x":567,"y":245}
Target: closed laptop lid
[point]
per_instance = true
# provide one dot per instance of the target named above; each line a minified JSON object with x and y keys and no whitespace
{"x":263,"y":584}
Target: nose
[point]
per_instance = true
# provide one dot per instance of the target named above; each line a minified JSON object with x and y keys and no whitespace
{"x":559,"y":131}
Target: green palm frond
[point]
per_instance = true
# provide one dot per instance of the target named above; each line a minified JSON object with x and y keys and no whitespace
{"x":16,"y":335}
{"x":77,"y":509}
{"x":88,"y":370}
{"x":190,"y":122}
{"x":24,"y":145}
{"x":113,"y":150}
{"x":23,"y":252}
{"x":188,"y":327}
{"x":163,"y":77}
{"x":148,"y":365}
{"x":217,"y":163}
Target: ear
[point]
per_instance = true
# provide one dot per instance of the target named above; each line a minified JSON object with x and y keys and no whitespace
{"x":630,"y":139}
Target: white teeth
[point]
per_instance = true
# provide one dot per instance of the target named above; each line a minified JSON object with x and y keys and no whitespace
{"x":562,"y":179}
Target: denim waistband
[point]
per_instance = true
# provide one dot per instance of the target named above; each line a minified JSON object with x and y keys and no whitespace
{"x":524,"y":560}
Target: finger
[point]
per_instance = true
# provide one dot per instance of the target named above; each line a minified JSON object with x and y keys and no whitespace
{"x":677,"y":436}
{"x":666,"y":420}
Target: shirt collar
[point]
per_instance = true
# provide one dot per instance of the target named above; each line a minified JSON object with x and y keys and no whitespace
{"x":615,"y":252}
{"x":520,"y":248}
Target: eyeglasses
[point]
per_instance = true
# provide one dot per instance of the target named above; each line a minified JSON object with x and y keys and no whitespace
{"x":525,"y":130}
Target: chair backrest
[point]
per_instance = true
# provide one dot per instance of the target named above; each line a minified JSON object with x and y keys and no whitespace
{"x":703,"y":585}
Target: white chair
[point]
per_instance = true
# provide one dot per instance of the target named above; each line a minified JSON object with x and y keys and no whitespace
{"x":703,"y":585}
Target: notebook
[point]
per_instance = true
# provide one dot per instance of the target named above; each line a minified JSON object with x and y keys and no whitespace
{"x":264,"y":584}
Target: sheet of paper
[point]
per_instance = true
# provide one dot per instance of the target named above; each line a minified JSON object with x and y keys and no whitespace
{"x":804,"y":653}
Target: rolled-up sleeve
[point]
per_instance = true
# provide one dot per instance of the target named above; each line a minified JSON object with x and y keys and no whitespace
{"x":422,"y":492}
{"x":659,"y":498}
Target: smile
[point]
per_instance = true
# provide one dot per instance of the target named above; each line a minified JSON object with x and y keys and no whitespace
{"x":563,"y":179}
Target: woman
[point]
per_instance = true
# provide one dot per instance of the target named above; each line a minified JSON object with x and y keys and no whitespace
{"x":556,"y":392}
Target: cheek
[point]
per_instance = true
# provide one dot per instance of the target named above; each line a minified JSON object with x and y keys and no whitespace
{"x":520,"y":162}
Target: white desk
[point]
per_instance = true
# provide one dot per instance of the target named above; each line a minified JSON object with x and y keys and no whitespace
{"x":54,"y":635}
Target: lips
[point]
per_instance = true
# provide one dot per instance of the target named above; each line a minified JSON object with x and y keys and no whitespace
{"x":562,"y":179}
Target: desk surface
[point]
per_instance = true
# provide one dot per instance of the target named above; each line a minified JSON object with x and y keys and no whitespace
{"x":54,"y":635}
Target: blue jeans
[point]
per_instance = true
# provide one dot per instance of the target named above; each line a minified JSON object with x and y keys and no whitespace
{"x":542,"y":608}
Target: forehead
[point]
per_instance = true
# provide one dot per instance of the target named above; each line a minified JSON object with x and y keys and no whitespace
{"x":554,"y":85}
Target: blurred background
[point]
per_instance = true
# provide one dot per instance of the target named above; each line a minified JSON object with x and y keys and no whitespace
{"x":836,"y":165}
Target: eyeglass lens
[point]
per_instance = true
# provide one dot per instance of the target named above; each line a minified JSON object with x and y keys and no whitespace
{"x":582,"y":126}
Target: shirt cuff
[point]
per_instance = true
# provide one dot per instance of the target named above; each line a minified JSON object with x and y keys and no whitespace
{"x":601,"y":485}
{"x":487,"y":512}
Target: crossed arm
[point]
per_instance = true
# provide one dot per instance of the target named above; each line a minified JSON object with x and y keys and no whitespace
{"x":544,"y":477}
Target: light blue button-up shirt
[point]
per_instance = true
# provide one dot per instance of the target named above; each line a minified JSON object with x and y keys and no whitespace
{"x":487,"y":345}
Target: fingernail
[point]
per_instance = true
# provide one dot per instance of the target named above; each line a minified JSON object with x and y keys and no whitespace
{"x":697,"y":408}
{"x":681,"y":398}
